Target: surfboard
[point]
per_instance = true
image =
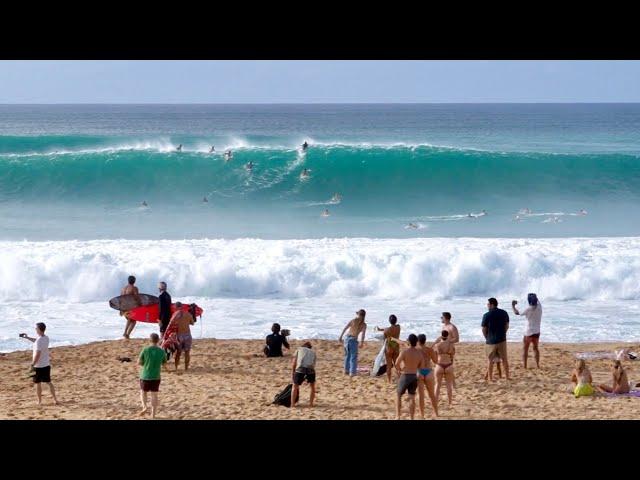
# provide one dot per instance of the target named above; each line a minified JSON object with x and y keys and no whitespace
{"x":125,"y":303}
{"x":380,"y":363}
{"x":150,"y":313}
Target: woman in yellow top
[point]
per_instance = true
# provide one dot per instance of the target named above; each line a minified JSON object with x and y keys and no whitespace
{"x":581,"y":377}
{"x":356,"y":327}
{"x":391,"y":336}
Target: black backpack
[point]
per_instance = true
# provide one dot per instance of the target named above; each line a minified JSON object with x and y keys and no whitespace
{"x":284,"y":397}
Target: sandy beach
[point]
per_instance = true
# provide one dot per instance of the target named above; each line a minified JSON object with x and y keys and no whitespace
{"x":227,"y":380}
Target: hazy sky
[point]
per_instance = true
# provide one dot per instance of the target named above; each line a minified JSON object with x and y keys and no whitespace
{"x":318,"y":81}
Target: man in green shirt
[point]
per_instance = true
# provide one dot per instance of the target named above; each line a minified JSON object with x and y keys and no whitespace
{"x":151,"y":359}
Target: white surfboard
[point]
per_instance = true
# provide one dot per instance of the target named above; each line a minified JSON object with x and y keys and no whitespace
{"x":380,"y":360}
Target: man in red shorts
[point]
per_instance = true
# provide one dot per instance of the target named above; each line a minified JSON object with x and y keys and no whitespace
{"x":151,"y":359}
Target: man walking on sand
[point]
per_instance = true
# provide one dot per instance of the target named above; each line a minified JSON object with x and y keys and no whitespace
{"x":183,"y":321}
{"x":164,"y":306}
{"x":411,"y":360}
{"x":304,"y":368}
{"x":129,"y":289}
{"x":495,"y":324}
{"x":151,"y":359}
{"x":41,"y":364}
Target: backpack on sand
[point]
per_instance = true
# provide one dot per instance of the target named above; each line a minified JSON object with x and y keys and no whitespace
{"x":284,"y":397}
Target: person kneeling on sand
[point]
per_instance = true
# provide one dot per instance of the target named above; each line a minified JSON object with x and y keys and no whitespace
{"x":411,"y":360}
{"x":620,"y":380}
{"x":425,"y":375}
{"x":581,"y":377}
{"x":303,"y":368}
{"x":275,"y":342}
{"x":151,"y":360}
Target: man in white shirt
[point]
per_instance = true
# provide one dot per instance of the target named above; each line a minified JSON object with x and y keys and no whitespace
{"x":533,"y":313}
{"x":304,"y":368}
{"x":41,"y":364}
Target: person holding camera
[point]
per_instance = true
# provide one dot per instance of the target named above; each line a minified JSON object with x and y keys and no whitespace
{"x":41,"y":364}
{"x":275,"y":342}
{"x":533,"y":314}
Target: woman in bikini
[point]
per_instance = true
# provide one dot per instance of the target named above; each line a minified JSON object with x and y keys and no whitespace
{"x":581,"y":377}
{"x":445,"y":352}
{"x":425,"y":375}
{"x":391,"y":335}
{"x":620,"y":380}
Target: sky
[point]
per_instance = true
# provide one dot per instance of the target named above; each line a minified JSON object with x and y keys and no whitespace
{"x":344,"y":81}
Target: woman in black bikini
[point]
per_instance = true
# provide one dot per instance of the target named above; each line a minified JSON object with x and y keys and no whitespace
{"x":444,"y":367}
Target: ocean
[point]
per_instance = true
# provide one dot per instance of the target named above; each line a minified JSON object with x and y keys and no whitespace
{"x":439,"y":207}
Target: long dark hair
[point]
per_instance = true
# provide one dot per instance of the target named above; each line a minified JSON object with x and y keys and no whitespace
{"x":532,"y":298}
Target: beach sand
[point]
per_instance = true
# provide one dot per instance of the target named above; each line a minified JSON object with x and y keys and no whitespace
{"x":227,"y":380}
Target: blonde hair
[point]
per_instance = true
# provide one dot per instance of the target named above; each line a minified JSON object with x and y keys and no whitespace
{"x":581,"y":365}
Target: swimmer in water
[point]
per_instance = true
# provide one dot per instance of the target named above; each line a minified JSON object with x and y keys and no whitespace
{"x":325,"y":213}
{"x":179,"y":149}
{"x":305,"y":145}
{"x":204,"y":200}
{"x":144,"y":203}
{"x":249,"y":166}
{"x":412,"y":226}
{"x":483,"y":213}
{"x":582,"y":212}
{"x":212,"y":149}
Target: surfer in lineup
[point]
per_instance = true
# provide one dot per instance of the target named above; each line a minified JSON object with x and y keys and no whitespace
{"x":179,"y":149}
{"x":164,"y":307}
{"x":305,"y":145}
{"x":144,"y":204}
{"x":325,"y":213}
{"x":204,"y":200}
{"x":249,"y":166}
{"x":412,"y":226}
{"x":183,"y":321}
{"x":337,"y":198}
{"x":391,"y":336}
{"x":582,"y":212}
{"x":129,"y":289}
{"x":407,"y":366}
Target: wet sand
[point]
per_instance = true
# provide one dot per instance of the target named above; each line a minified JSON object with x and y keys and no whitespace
{"x":229,"y":379}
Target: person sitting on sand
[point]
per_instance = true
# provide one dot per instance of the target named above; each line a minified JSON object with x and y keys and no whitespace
{"x":533,"y":314}
{"x":303,"y":368}
{"x":426,"y":376}
{"x":129,"y":289}
{"x":620,"y":380}
{"x":445,"y":351}
{"x":391,"y":335}
{"x":183,"y":320}
{"x":581,"y":377}
{"x":495,"y":324}
{"x":356,"y":327}
{"x":151,"y":359}
{"x":275,"y":342}
{"x":41,"y":364}
{"x":407,"y":366}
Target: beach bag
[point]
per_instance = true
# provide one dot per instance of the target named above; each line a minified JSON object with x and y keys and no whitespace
{"x":284,"y":397}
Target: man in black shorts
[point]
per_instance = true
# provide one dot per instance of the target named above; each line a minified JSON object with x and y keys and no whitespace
{"x":164,"y":315}
{"x":411,"y":360}
{"x":41,"y":364}
{"x":150,"y":360}
{"x":304,"y":368}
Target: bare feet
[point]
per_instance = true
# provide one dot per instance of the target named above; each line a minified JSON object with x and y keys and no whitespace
{"x":144,"y":411}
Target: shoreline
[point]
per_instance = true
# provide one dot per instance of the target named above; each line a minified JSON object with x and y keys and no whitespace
{"x":230,"y":379}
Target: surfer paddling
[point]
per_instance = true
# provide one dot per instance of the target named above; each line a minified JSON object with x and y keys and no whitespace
{"x":391,"y":336}
{"x":129,"y":289}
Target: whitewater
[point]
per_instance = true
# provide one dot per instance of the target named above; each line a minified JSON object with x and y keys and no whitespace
{"x":560,"y":185}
